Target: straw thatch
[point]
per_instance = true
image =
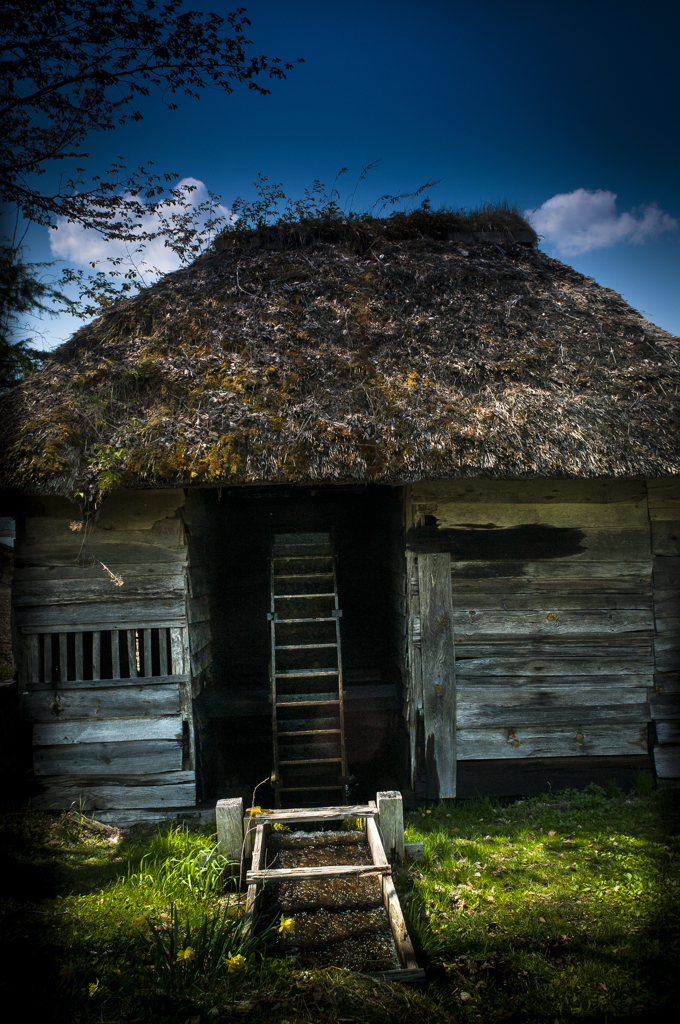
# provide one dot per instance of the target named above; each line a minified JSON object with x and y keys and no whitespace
{"x":380,"y":351}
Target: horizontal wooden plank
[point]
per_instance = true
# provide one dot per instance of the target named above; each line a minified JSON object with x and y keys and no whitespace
{"x":638,"y":568}
{"x":666,"y":572}
{"x":667,"y":601}
{"x":51,"y":542}
{"x":664,"y":706}
{"x":318,"y":813}
{"x":667,"y":762}
{"x":34,"y":573}
{"x":136,"y":757}
{"x":518,"y":692}
{"x":483,"y":489}
{"x":503,"y":515}
{"x":619,"y":645}
{"x":136,"y":509}
{"x":119,"y":684}
{"x":479,"y":622}
{"x":277,"y":875}
{"x":529,"y":776}
{"x":547,"y":741}
{"x":668,"y":732}
{"x":107,"y":731}
{"x":666,"y":537}
{"x":113,"y":615}
{"x":101,"y":703}
{"x":88,"y":591}
{"x":490,"y":715}
{"x":61,"y":627}
{"x":551,"y":600}
{"x":667,"y":653}
{"x":615,"y":666}
{"x":637,"y":586}
{"x":103,"y":797}
{"x":124,"y":779}
{"x":667,"y":682}
{"x":125,"y":817}
{"x":666,"y":624}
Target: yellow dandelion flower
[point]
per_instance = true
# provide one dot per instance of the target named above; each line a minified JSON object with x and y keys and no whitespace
{"x":186,"y":954}
{"x":428,"y":811}
{"x":287,"y":924}
{"x":235,"y":963}
{"x":93,"y":987}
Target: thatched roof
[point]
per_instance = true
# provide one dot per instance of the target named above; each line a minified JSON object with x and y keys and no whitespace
{"x":377,"y":351}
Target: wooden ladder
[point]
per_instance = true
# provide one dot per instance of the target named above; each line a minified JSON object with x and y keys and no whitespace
{"x":306,"y":668}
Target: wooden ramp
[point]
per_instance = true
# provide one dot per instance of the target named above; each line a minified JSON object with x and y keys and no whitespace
{"x":339,"y":894}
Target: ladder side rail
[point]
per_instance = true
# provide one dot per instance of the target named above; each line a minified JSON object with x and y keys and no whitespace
{"x":272,"y":670}
{"x":343,"y":754}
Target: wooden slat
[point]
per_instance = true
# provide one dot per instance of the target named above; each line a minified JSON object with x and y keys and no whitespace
{"x":405,"y":951}
{"x":80,"y":665}
{"x":523,"y":691}
{"x":115,"y":653}
{"x":119,"y":684}
{"x":63,"y":660}
{"x":274,"y":875}
{"x":548,"y":741}
{"x":564,"y":515}
{"x":147,"y":660}
{"x":102,"y":615}
{"x":664,"y":706}
{"x":47,"y":659}
{"x":634,"y":567}
{"x":131,"y":640}
{"x":47,"y":592}
{"x":129,"y":570}
{"x":618,"y":666}
{"x":507,"y":599}
{"x":668,"y":732}
{"x":134,"y":756}
{"x":667,"y":762}
{"x":34,"y":673}
{"x":666,"y":537}
{"x":177,"y":650}
{"x":667,"y":653}
{"x":102,"y":703}
{"x":71,"y":627}
{"x":318,"y":813}
{"x":107,"y":797}
{"x":258,"y":862}
{"x":486,"y":716}
{"x":163,"y":650}
{"x":542,"y":491}
{"x":96,"y":655}
{"x":438,"y":673}
{"x":666,"y":572}
{"x":167,"y":728}
{"x":478,"y":622}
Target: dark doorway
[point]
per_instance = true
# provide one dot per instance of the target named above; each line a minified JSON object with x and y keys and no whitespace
{"x":229,"y":542}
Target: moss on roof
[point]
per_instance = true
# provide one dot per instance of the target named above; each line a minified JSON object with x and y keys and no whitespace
{"x":376,"y":350}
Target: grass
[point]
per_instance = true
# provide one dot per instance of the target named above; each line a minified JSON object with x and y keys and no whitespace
{"x":558,"y":908}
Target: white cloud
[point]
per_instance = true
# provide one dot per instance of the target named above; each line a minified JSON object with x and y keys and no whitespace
{"x":72,"y":242}
{"x":578,"y":221}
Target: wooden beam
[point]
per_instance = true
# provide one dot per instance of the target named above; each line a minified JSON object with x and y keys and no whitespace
{"x":319,"y":813}
{"x":134,"y":757}
{"x":229,"y":819}
{"x":252,"y":899}
{"x":167,"y":728}
{"x":391,"y":812}
{"x":438,"y":673}
{"x":102,"y":703}
{"x":305,"y":874}
{"x":405,"y":951}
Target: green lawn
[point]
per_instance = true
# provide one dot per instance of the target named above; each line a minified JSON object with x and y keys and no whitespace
{"x":559,"y":908}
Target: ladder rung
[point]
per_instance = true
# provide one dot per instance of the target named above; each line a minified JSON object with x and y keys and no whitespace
{"x":314,"y":760}
{"x":301,"y":647}
{"x":302,"y":703}
{"x":307,"y":732}
{"x":300,"y":576}
{"x":291,"y":673}
{"x":296,"y":597}
{"x":320,"y":618}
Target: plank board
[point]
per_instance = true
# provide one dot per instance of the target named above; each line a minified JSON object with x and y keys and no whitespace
{"x":275,"y":875}
{"x":73,"y":591}
{"x":291,"y":814}
{"x":111,"y":702}
{"x":118,"y":684}
{"x":600,"y":490}
{"x":451,"y":515}
{"x":438,"y":673}
{"x":57,"y":733}
{"x":550,"y":600}
{"x":402,"y":941}
{"x":666,"y":572}
{"x":32,"y":573}
{"x":135,"y":757}
{"x":613,"y":667}
{"x":58,"y":796}
{"x":667,"y":762}
{"x":667,"y":653}
{"x":668,"y":732}
{"x":666,"y":537}
{"x":547,"y":741}
{"x":477,"y":622}
{"x":618,"y":568}
{"x":521,"y":691}
{"x":488,"y":715}
{"x":105,"y":615}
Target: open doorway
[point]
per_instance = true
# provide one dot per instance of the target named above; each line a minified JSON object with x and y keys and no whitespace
{"x":230,"y":536}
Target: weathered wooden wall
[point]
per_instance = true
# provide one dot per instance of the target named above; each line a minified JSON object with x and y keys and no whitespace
{"x":104,"y":667}
{"x":664,"y":514}
{"x":553,"y":622}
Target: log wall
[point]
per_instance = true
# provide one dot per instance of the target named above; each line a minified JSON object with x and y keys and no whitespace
{"x":556,"y":623}
{"x":102,"y":634}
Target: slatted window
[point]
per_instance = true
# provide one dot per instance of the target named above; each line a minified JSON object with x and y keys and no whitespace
{"x":58,"y":658}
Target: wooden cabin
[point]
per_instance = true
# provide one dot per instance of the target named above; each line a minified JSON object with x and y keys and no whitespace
{"x":378,"y":505}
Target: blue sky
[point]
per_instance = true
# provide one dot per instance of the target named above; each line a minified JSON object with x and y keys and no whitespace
{"x":524,"y":102}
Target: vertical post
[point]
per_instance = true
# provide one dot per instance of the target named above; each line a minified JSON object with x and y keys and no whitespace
{"x":96,"y":655}
{"x":176,"y":651}
{"x":34,"y":671}
{"x":132,"y":652}
{"x":438,"y":672}
{"x":229,"y":817}
{"x":115,"y":654}
{"x":163,"y":651}
{"x":47,"y":658}
{"x":391,"y":815}
{"x":79,"y":656}
{"x":63,"y":659}
{"x":147,"y":660}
